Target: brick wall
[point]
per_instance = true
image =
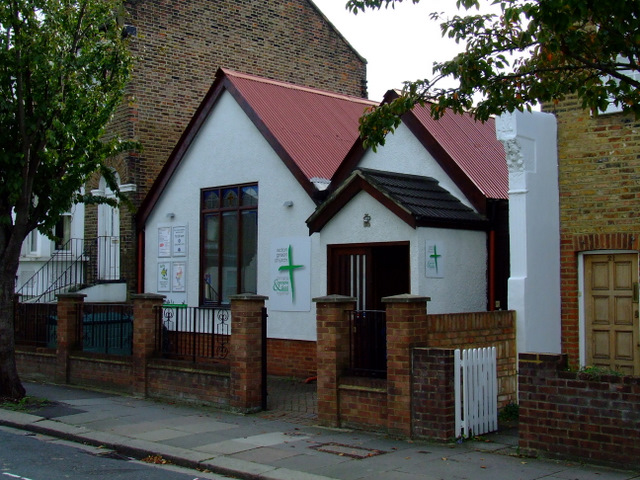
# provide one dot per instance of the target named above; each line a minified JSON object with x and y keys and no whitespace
{"x":179,"y":44}
{"x":188,"y":383}
{"x":232,"y":384}
{"x":573,"y":415}
{"x":100,"y":371}
{"x":363,"y":403}
{"x":291,"y":358}
{"x":39,"y":364}
{"x":433,"y":394}
{"x":599,"y":196}
{"x":415,"y":382}
{"x":478,"y":330}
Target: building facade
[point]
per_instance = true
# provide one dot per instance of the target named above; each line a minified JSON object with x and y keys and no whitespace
{"x":178,"y":46}
{"x":599,"y":168}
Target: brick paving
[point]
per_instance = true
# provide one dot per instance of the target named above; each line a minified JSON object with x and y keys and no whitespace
{"x":291,"y":400}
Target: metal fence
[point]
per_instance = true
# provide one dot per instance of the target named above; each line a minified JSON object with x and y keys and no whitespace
{"x":107,"y":328}
{"x":35,"y":324}
{"x":368,"y":343}
{"x":193,"y":333}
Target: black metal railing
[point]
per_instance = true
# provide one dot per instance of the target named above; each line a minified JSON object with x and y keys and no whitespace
{"x":193,"y":333}
{"x":35,"y":324}
{"x":107,"y":328}
{"x":77,"y":264}
{"x":368,"y":343}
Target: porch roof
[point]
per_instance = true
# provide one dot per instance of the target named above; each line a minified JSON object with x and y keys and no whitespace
{"x":419,"y":201}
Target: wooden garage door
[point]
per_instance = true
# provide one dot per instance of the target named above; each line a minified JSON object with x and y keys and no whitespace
{"x":611,"y":312}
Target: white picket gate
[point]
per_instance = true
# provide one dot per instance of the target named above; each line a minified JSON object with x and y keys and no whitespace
{"x":476,"y":391}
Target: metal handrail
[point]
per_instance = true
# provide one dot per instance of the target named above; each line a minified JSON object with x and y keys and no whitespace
{"x":73,"y":266}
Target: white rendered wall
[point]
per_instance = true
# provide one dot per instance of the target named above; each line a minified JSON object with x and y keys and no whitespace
{"x":403,"y":153}
{"x":230,"y":150}
{"x":530,"y":143}
{"x":463,"y":285}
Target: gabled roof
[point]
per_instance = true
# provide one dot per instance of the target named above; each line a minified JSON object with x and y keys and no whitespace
{"x":466,"y":149}
{"x":311,"y":130}
{"x":417,"y":200}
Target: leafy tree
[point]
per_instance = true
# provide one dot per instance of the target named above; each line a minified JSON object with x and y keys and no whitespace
{"x":63,"y":69}
{"x":533,"y":51}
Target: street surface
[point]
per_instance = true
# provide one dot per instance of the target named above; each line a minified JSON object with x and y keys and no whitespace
{"x":27,"y":456}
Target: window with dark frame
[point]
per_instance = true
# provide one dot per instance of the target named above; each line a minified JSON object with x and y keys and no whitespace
{"x":229,"y":242}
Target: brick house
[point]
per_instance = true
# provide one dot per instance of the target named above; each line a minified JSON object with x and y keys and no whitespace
{"x":179,"y":45}
{"x":599,"y":167}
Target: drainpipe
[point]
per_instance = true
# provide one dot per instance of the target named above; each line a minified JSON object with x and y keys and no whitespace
{"x":492,"y":270}
{"x":140,"y":262}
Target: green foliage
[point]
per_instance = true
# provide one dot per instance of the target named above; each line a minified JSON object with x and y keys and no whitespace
{"x":531,"y":52}
{"x":595,"y":373}
{"x":510,"y":412}
{"x":63,"y":70}
{"x":25,"y":404}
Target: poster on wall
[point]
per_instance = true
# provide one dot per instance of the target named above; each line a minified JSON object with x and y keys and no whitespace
{"x":290,"y":274}
{"x":179,"y":241}
{"x":435,"y":260}
{"x":178,"y":276}
{"x":164,"y":241}
{"x":164,"y":277}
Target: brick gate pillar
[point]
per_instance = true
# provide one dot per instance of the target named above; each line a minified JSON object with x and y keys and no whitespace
{"x":332,"y":323}
{"x":69,"y":331}
{"x":406,"y":325}
{"x":245,"y":352}
{"x":146,"y":308}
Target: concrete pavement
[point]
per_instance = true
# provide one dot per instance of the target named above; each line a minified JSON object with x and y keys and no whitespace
{"x":272,"y":447}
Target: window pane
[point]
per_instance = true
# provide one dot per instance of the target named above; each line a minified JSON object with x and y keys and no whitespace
{"x":229,"y":255}
{"x":210,"y":199}
{"x":249,"y":272}
{"x":230,"y":197}
{"x":33,"y":241}
{"x":210,"y":261}
{"x":62,"y":232}
{"x":249,"y":196}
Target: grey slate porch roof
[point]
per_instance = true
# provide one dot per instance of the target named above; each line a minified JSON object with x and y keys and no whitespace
{"x":419,"y":201}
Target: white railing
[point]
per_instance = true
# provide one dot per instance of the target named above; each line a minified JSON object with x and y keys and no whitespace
{"x":476,"y":391}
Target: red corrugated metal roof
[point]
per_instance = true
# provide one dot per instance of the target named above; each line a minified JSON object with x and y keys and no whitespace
{"x":473,"y":146}
{"x":315,"y":128}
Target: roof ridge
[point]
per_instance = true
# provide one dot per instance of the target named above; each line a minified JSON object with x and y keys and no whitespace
{"x":293,"y":86}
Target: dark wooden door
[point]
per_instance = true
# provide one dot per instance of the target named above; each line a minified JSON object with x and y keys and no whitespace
{"x":369,"y":272}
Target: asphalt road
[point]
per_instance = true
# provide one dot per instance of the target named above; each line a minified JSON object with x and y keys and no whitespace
{"x":27,"y":456}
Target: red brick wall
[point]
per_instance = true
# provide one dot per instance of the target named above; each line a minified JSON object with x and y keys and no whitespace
{"x":598,"y":168}
{"x":363,"y":403}
{"x":188,"y":383}
{"x":36,"y":365}
{"x":179,"y":45}
{"x":433,"y":394}
{"x":572,"y":415}
{"x":291,"y":358}
{"x":477,"y":330}
{"x":101,"y":371}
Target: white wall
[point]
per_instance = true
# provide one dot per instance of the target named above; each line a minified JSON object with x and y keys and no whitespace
{"x":403,"y":153}
{"x":463,"y":285}
{"x":534,"y":285}
{"x":230,"y":150}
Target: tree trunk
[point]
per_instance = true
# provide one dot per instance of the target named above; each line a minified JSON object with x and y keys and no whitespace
{"x":10,"y":386}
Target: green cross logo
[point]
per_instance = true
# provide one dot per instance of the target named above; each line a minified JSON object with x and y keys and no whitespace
{"x":435,"y":257}
{"x":290,"y":267}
